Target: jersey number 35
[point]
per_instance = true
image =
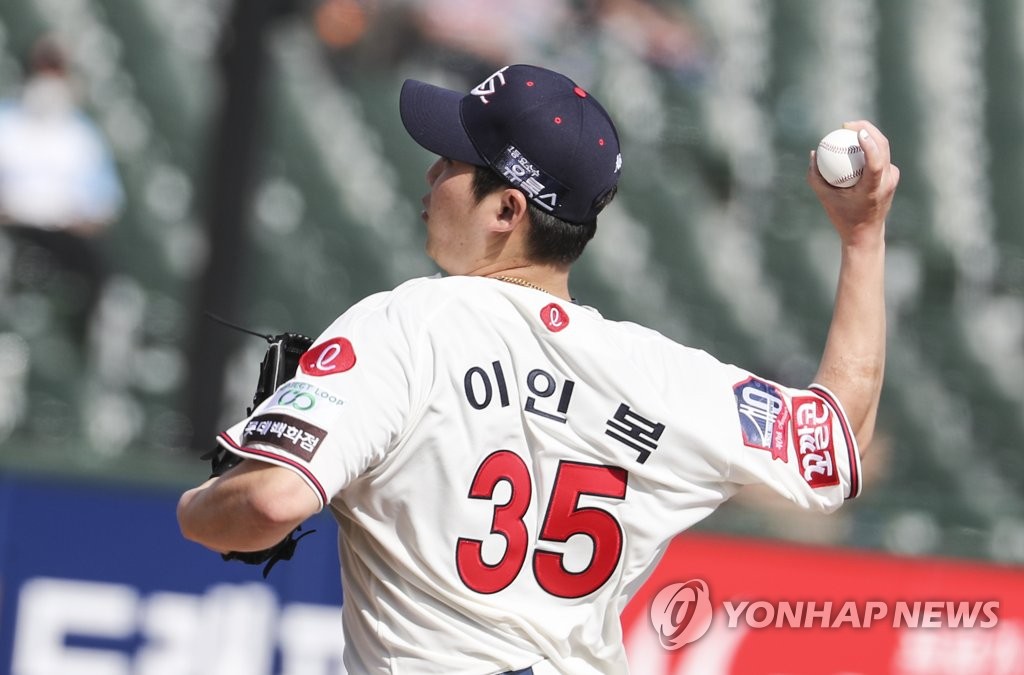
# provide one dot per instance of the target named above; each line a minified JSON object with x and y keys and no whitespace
{"x":564,"y":518}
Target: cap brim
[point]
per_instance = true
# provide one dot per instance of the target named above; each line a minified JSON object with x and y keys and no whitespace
{"x":432,"y":117}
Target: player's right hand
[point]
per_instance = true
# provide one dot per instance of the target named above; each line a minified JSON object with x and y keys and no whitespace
{"x":858,"y":213}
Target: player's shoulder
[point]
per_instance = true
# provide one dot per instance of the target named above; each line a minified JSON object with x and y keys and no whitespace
{"x":440,"y":285}
{"x":428,"y":297}
{"x":652,"y":351}
{"x":436,"y":286}
{"x":652,"y":344}
{"x":465,"y":300}
{"x":409,"y":303}
{"x":421,"y":297}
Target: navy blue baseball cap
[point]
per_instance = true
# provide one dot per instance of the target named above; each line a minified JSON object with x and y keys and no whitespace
{"x":544,"y":134}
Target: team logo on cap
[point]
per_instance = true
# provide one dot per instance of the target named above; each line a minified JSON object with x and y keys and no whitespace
{"x":490,"y":85}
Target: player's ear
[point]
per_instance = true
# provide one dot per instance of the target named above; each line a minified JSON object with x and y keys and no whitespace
{"x":511,"y":210}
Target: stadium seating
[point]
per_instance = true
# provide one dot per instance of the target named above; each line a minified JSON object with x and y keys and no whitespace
{"x":714,"y":240}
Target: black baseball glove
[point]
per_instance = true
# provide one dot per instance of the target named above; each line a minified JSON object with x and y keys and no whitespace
{"x":278,"y":366}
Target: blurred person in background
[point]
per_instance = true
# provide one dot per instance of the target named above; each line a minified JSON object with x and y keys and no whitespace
{"x":460,"y":36}
{"x":530,"y":28}
{"x":59,"y":189}
{"x":664,"y":36}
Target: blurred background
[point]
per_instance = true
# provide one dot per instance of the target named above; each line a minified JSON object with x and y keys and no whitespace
{"x":246,"y":159}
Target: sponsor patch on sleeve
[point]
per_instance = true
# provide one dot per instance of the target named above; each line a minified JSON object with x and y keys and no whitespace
{"x":812,"y":436}
{"x":304,"y":396}
{"x":764,"y":417}
{"x":286,"y":433}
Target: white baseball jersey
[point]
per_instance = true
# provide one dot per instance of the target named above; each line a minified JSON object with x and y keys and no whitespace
{"x":507,"y":467}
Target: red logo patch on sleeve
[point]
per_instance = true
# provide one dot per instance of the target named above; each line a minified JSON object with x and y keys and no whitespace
{"x":554,"y":317}
{"x":812,"y":435}
{"x":334,"y":356}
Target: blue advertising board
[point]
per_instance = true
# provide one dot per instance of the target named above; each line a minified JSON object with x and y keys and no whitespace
{"x":97,"y":580}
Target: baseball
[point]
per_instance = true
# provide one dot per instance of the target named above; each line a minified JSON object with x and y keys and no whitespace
{"x":840,"y":158}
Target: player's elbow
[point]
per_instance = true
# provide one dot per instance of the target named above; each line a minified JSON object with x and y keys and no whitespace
{"x":864,"y":436}
{"x":197,"y":530}
{"x":281,"y":497}
{"x":253,"y":523}
{"x":189,"y":515}
{"x":276,"y":510}
{"x":246,"y":510}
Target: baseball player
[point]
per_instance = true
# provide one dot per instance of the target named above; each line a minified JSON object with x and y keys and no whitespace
{"x":505,"y":465}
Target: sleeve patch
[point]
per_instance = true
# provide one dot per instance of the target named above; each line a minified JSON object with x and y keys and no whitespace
{"x":763,"y":416}
{"x":286,"y":433}
{"x":812,"y":435}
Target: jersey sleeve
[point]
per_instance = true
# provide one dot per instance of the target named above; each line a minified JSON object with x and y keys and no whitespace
{"x":798,"y":442}
{"x":347,"y":405}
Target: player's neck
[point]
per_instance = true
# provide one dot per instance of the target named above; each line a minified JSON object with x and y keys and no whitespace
{"x":538,"y":277}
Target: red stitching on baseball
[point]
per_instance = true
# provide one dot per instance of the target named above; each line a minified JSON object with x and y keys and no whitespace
{"x":842,"y":149}
{"x":850,"y":176}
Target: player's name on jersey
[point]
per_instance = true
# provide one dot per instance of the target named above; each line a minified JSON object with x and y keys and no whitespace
{"x":550,"y":396}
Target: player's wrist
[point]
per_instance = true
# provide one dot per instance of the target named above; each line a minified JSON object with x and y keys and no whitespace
{"x":868,"y":237}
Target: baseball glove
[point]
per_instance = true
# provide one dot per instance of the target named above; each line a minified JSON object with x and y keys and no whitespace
{"x":278,"y":366}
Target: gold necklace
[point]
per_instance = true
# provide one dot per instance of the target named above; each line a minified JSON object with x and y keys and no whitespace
{"x":521,"y":282}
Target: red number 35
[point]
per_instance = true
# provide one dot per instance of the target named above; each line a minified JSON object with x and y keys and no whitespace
{"x":564,"y":518}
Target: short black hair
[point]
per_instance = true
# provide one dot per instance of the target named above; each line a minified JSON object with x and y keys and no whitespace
{"x":550,"y":240}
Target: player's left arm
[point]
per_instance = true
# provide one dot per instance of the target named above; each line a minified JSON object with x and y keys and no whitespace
{"x":853,"y":361}
{"x":253,"y":506}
